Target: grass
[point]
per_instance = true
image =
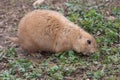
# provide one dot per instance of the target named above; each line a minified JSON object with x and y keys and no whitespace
{"x":103,"y":65}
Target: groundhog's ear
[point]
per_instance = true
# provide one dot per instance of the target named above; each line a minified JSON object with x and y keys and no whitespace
{"x":80,"y":37}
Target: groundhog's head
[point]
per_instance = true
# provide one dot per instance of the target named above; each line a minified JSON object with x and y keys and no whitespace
{"x":85,"y":43}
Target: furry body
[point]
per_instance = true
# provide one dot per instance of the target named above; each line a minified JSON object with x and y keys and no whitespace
{"x":48,"y":30}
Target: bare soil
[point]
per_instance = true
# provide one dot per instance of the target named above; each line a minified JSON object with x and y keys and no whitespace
{"x":11,"y":12}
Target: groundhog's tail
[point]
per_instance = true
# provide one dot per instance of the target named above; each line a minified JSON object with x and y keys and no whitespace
{"x":14,"y":39}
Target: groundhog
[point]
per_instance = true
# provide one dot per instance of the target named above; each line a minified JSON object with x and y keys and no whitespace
{"x":47,"y":30}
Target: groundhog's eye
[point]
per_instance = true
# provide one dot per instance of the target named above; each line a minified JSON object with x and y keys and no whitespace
{"x":88,"y":41}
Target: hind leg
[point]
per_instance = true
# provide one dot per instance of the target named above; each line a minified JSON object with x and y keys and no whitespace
{"x":31,"y":49}
{"x":28,"y":48}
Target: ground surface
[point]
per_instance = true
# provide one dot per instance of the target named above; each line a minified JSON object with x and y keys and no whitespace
{"x":104,"y":65}
{"x":10,"y":13}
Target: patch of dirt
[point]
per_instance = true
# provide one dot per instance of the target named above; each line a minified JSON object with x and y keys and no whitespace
{"x":11,"y":11}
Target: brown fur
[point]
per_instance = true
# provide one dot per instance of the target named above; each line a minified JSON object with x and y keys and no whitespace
{"x":47,"y":30}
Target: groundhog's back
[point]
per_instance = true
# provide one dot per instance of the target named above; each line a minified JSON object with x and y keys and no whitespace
{"x":39,"y":29}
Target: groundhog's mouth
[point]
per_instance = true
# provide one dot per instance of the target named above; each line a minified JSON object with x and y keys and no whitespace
{"x":85,"y":53}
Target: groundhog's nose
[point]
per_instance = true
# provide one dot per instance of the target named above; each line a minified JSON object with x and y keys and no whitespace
{"x":94,"y":50}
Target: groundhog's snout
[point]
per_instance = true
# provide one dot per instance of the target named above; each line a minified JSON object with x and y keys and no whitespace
{"x":91,"y":47}
{"x":90,"y":52}
{"x":85,"y":45}
{"x":93,"y":50}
